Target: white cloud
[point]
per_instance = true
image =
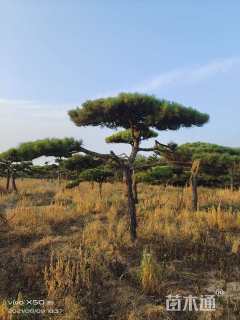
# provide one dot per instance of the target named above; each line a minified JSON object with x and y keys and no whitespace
{"x":190,"y":75}
{"x":186,"y":76}
{"x":32,"y":110}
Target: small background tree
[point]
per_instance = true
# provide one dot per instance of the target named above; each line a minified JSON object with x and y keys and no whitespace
{"x":99,"y":175}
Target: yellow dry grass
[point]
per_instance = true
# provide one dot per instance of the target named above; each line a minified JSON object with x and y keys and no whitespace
{"x":88,"y":239}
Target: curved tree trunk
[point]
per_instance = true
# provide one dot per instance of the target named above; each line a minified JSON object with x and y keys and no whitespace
{"x":135,"y":191}
{"x":100,"y":189}
{"x":14,"y":186}
{"x":8,"y":180}
{"x":124,"y":181}
{"x":131,"y":203}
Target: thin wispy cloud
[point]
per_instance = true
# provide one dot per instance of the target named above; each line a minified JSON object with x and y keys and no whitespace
{"x":178,"y":77}
{"x":30,"y":109}
{"x":190,"y":75}
{"x":24,"y":120}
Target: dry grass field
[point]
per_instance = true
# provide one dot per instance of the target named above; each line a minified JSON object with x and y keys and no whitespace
{"x":73,"y":248}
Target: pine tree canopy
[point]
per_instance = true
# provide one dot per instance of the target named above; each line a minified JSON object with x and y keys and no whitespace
{"x":80,"y":162}
{"x":125,"y":136}
{"x":96,"y":175}
{"x":136,"y":111}
{"x":47,"y":147}
{"x":204,"y":147}
{"x":212,"y":154}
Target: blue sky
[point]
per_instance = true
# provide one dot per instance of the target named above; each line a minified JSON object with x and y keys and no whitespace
{"x":57,"y":53}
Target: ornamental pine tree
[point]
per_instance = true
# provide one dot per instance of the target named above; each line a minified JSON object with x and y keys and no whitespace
{"x":137,"y":113}
{"x":12,"y":166}
{"x":216,"y":160}
{"x":178,"y":159}
{"x":18,"y":160}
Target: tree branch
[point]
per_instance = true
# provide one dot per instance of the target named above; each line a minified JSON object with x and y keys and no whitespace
{"x":111,"y":156}
{"x":117,"y":159}
{"x":148,"y":149}
{"x":148,"y":165}
{"x":157,"y":148}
